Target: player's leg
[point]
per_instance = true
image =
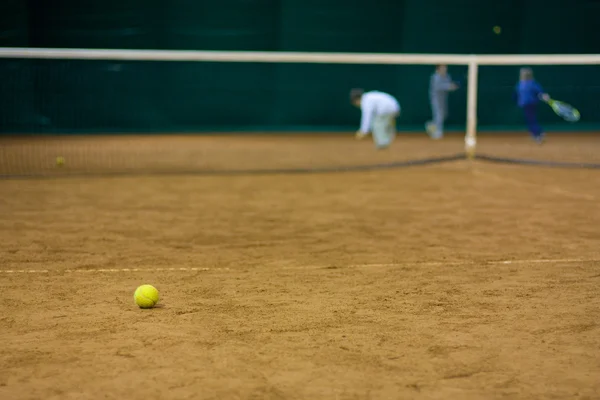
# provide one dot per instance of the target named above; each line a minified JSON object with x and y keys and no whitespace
{"x":384,"y":130}
{"x":391,"y":126}
{"x":444,"y":111}
{"x":534,"y":127}
{"x":430,"y":125}
{"x":436,"y":129}
{"x":440,"y":120}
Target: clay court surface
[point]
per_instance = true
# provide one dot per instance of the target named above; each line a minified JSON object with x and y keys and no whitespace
{"x":461,"y":280}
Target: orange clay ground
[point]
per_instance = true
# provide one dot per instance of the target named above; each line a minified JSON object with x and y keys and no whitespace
{"x":462,"y":280}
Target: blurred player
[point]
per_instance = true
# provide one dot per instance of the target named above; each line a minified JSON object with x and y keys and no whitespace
{"x":379,"y":112}
{"x":440,"y":85}
{"x":528,"y":94}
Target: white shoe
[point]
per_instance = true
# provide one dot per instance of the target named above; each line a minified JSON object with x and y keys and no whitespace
{"x":430,"y":128}
{"x":540,"y":139}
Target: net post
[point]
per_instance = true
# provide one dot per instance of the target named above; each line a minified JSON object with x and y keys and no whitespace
{"x":471,"y":134}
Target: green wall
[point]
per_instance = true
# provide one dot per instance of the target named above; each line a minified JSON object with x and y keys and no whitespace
{"x":55,"y":95}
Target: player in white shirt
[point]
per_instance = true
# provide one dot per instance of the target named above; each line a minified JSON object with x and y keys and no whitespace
{"x":379,"y":112}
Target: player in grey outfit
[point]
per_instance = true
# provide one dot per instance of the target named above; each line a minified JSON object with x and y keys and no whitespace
{"x":439,"y":85}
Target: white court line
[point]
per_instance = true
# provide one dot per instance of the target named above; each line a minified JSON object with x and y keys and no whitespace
{"x":104,"y":270}
{"x":100,"y":270}
{"x":406,"y":264}
{"x":485,"y":262}
{"x":24,"y":271}
{"x":547,"y":187}
{"x":450,"y":263}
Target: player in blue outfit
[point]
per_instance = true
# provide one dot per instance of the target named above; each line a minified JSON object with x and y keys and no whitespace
{"x":528,"y":94}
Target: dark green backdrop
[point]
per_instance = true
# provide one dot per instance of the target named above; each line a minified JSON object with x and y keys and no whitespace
{"x":56,"y":95}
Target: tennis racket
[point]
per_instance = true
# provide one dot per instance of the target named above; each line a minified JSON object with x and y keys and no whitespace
{"x":564,"y":110}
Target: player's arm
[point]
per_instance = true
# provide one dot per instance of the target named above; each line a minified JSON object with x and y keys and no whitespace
{"x":541,"y":94}
{"x":441,"y":84}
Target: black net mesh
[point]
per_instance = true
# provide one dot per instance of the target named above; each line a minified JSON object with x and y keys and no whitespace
{"x":73,"y":117}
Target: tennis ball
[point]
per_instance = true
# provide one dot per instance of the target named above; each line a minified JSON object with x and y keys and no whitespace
{"x":497,"y":30}
{"x":146,"y":296}
{"x":60,"y":161}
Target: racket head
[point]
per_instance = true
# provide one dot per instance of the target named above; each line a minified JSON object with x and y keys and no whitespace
{"x":565,"y":111}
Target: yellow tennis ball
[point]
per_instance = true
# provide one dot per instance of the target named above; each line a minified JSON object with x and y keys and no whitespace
{"x":60,"y":161}
{"x":146,"y":296}
{"x":497,"y":30}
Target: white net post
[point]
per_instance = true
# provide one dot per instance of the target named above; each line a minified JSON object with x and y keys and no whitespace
{"x":471,"y":135}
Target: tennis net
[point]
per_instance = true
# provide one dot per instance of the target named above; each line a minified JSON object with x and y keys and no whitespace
{"x":79,"y":111}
